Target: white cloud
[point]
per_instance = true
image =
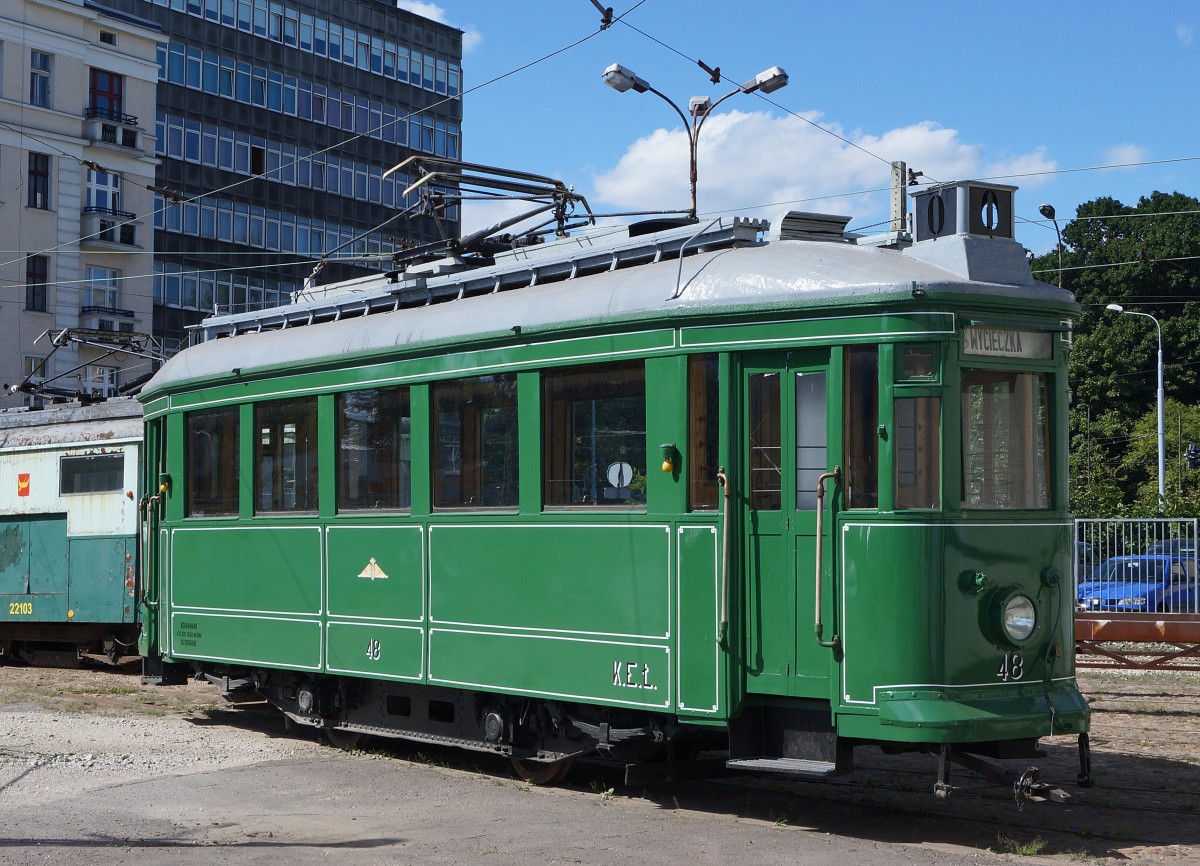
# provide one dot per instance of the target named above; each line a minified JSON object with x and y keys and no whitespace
{"x":471,"y":40}
{"x":1026,"y":171}
{"x":747,"y":160}
{"x":1184,"y":33}
{"x":1124,"y":154}
{"x":471,"y":37}
{"x":426,"y":10}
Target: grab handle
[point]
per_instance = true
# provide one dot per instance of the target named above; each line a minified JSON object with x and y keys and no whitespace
{"x":836,"y":475}
{"x":723,"y":481}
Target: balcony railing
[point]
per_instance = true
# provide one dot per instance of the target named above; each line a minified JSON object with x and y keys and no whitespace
{"x":107,"y":311}
{"x":109,"y":114}
{"x":112,"y":212}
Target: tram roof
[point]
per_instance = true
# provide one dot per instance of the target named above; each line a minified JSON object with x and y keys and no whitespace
{"x":77,"y":424}
{"x":779,"y":274}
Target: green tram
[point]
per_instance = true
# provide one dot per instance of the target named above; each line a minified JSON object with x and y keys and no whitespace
{"x":759,"y":487}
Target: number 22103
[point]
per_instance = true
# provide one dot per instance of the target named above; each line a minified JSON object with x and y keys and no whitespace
{"x":19,"y":608}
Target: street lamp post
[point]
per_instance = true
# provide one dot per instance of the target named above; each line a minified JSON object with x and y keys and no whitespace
{"x":621,"y":79}
{"x":1047,"y":210}
{"x":1162,"y":464}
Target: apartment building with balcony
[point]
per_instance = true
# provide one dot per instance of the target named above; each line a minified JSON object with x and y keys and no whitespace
{"x":77,"y":168}
{"x":275,"y":125}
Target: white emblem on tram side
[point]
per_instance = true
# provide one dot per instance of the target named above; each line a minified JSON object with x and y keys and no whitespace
{"x":373,"y":571}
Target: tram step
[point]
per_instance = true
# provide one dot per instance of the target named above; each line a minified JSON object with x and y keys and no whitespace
{"x":785,"y":766}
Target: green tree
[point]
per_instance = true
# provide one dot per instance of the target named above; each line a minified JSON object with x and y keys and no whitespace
{"x":1146,"y":258}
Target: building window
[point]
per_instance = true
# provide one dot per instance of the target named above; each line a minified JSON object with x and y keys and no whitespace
{"x":103,"y":192}
{"x":108,"y":38}
{"x":594,"y":437}
{"x":374,"y":445}
{"x":37,"y":270}
{"x":99,"y":381}
{"x":212,"y":463}
{"x":39,"y":78}
{"x":39,"y":181}
{"x":285,"y":454}
{"x":475,"y":428}
{"x":91,"y":473}
{"x":101,"y":287}
{"x":35,"y":374}
{"x":105,"y":95}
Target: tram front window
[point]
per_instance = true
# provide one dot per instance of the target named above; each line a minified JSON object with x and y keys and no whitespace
{"x":1005,"y":430}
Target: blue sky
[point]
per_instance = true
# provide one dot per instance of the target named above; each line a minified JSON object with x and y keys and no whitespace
{"x":955,"y":89}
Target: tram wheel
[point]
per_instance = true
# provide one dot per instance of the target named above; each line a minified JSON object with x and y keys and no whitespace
{"x":347,"y":741}
{"x":543,"y":773}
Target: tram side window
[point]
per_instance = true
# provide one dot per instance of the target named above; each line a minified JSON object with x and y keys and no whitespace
{"x":475,"y":428}
{"x":1005,"y":430}
{"x":285,"y":454}
{"x":91,"y":473}
{"x":594,"y":436}
{"x":918,"y":452}
{"x":212,"y":463}
{"x":374,"y":450}
{"x":861,"y":402}
{"x":703,"y":433}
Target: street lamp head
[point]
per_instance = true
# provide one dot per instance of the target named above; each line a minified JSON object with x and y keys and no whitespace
{"x":1115,"y":308}
{"x":621,"y":79}
{"x":699,"y":105}
{"x":1047,"y":210}
{"x":768,"y":81}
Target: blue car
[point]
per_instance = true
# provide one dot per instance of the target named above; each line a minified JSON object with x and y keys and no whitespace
{"x":1140,"y":584}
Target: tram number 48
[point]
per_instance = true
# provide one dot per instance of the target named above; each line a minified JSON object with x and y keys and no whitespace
{"x":373,"y":650}
{"x":1011,"y":668}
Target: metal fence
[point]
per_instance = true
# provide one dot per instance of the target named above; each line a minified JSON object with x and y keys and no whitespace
{"x":1137,"y":566}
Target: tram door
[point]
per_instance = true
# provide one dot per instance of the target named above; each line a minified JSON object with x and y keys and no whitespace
{"x":785,"y":448}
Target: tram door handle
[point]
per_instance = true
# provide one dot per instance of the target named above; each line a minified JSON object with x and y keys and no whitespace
{"x":836,"y":475}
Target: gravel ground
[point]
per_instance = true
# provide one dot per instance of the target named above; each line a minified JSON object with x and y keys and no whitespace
{"x":101,"y":769}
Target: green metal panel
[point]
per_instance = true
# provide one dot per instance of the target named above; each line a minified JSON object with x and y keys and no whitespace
{"x":360,"y":370}
{"x":529,"y":445}
{"x":48,"y":554}
{"x":371,"y":649}
{"x":609,"y":578}
{"x":33,"y":569}
{"x":375,"y":572}
{"x":891,"y":588}
{"x":797,"y":331}
{"x":14,"y":557}
{"x":1010,"y":556}
{"x":700,"y":659}
{"x":770,"y":607}
{"x":246,"y":569}
{"x":607,"y":671}
{"x":46,"y":607}
{"x":666,"y":423}
{"x":948,"y":674}
{"x":97,"y":590}
{"x":284,"y":642}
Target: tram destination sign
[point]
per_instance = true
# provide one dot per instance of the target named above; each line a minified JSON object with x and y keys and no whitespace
{"x":999,"y":342}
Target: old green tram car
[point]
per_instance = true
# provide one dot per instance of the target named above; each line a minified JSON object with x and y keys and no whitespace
{"x":788,"y":493}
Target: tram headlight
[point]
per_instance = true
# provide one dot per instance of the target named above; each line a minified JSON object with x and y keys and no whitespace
{"x":1019,"y":618}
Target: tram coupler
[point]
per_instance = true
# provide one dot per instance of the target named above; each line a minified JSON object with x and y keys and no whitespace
{"x":1026,"y":787}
